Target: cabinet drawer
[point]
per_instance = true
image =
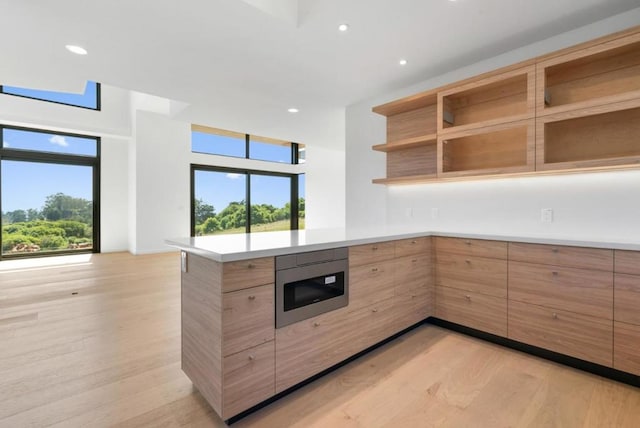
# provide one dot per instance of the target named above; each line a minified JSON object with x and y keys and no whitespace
{"x":627,"y":262}
{"x":485,"y":313}
{"x":413,"y":272}
{"x":249,"y":378}
{"x":247,"y":273}
{"x":414,"y":246}
{"x":558,"y":255}
{"x":626,"y":347}
{"x":371,"y":253}
{"x":248,"y":318}
{"x":369,"y":326}
{"x":478,"y":274}
{"x":579,"y":336}
{"x":413,"y":307}
{"x":370,"y":283}
{"x":627,"y":299}
{"x":588,"y":292}
{"x":472,"y":247}
{"x":310,"y":346}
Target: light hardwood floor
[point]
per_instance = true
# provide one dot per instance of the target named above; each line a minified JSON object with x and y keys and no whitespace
{"x":110,"y":356}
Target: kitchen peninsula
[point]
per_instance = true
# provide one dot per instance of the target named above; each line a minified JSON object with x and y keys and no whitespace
{"x":547,"y":294}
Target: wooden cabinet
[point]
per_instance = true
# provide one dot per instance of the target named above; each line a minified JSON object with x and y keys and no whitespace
{"x":475,"y":310}
{"x":370,"y":283}
{"x":371,"y":253}
{"x":247,"y":273}
{"x":626,"y":339}
{"x":472,"y":247}
{"x":478,"y":274}
{"x":414,"y":292}
{"x":577,"y":109}
{"x":580,"y":336}
{"x":561,"y":299}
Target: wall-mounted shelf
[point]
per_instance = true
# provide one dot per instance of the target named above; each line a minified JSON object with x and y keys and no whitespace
{"x":573,"y":110}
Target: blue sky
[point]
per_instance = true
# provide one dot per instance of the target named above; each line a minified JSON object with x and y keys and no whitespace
{"x":87,"y":99}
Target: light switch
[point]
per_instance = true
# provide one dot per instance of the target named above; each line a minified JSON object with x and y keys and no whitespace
{"x":546,"y":215}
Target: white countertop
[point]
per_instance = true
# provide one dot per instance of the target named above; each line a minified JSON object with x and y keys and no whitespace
{"x":226,"y":248}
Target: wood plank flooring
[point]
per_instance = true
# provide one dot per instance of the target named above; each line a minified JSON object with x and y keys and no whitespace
{"x":96,"y":343}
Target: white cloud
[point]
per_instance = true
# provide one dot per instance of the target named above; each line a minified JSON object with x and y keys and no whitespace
{"x":233,"y":175}
{"x":58,"y":140}
{"x":6,"y":144}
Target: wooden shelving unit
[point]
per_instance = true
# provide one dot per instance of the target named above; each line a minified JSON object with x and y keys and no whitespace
{"x":573,"y":110}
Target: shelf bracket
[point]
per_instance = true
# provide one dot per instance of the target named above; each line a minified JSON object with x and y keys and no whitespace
{"x":547,"y":97}
{"x":447,"y":116}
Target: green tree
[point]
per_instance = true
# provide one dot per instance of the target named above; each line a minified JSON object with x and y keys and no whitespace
{"x":65,"y":207}
{"x":203,"y":211}
{"x":16,"y":216}
{"x":210,"y":225}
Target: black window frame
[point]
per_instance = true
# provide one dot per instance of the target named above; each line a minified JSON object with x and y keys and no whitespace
{"x":293,"y":147}
{"x":22,"y":155}
{"x":98,"y":98}
{"x":294,"y":194}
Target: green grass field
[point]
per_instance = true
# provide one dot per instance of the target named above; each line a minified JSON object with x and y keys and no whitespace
{"x":268,"y":227}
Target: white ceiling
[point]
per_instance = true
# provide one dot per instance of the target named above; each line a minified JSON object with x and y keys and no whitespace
{"x":231,"y":58}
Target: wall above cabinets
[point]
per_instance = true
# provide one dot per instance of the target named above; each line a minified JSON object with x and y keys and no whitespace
{"x":577,"y":109}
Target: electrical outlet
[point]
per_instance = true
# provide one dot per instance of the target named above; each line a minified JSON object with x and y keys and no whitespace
{"x":408,"y":212}
{"x":435,"y":213}
{"x":546,"y":215}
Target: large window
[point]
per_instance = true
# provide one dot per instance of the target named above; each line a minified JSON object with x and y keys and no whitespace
{"x":228,"y":143}
{"x":49,"y":192}
{"x":90,"y":98}
{"x":242,"y":201}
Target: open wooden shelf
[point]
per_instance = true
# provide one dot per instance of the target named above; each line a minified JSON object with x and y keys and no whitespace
{"x":407,"y":143}
{"x":500,"y":149}
{"x":605,"y":73}
{"x":409,"y":179}
{"x":490,"y":101}
{"x":413,"y":102}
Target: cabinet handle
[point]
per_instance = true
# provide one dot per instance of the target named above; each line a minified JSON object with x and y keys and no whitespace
{"x":252,"y":297}
{"x":413,"y":296}
{"x":374,"y":310}
{"x":468,"y":261}
{"x":467,"y":242}
{"x":374,"y":269}
{"x":414,"y":261}
{"x":316,"y":324}
{"x":468,"y":297}
{"x":252,"y":357}
{"x":374,"y":248}
{"x":554,"y":250}
{"x":555,"y":273}
{"x":554,"y":316}
{"x":414,"y":242}
{"x":251,"y":266}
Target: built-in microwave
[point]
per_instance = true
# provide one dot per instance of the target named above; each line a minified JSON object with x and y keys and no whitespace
{"x":309,"y":284}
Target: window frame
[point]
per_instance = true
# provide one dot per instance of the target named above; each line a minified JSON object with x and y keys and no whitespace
{"x":34,"y":156}
{"x":293,"y":196}
{"x":98,"y":98}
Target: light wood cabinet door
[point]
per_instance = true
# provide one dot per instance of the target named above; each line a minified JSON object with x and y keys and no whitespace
{"x":247,"y":273}
{"x":413,"y":246}
{"x":478,"y":311}
{"x":310,"y":346}
{"x":371,"y":253}
{"x":627,"y":299}
{"x":472,"y":247}
{"x":580,"y":336}
{"x":627,"y":262}
{"x":412,"y":307}
{"x":413,"y":273}
{"x":248,"y":318}
{"x":588,"y":292}
{"x":369,"y":284}
{"x":249,"y":378}
{"x":626,"y":347}
{"x":477,"y":274}
{"x":559,"y":255}
{"x":370,"y":325}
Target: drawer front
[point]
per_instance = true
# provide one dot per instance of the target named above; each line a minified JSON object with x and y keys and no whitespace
{"x":626,"y":347}
{"x":371,"y":253}
{"x":369,"y":326}
{"x":413,"y":307}
{"x":485,"y":313}
{"x":248,"y":318}
{"x":369,"y":284}
{"x":627,"y":299}
{"x":412,"y":273}
{"x":627,"y":262}
{"x":310,"y":346}
{"x":478,"y":274}
{"x":414,"y":246}
{"x":588,"y":292}
{"x":559,"y":255}
{"x":247,"y":273}
{"x":579,"y":336}
{"x":472,"y":247}
{"x":249,"y":378}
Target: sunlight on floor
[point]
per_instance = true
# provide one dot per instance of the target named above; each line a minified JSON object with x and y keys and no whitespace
{"x":45,"y":262}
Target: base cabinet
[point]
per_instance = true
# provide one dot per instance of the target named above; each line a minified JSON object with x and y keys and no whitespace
{"x":478,"y":311}
{"x":626,"y":347}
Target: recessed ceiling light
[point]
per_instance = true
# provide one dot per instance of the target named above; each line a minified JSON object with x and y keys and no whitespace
{"x":293,"y":110}
{"x":78,"y":50}
{"x":343,"y":27}
{"x":403,"y":62}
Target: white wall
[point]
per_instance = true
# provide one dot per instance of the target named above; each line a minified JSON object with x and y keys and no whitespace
{"x":114,"y":191}
{"x":596,"y":205}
